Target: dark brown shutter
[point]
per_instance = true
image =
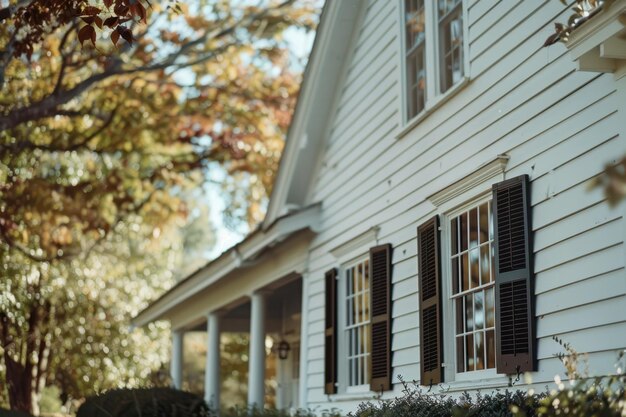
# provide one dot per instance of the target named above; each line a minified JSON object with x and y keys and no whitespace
{"x":429,"y":270}
{"x":330,"y":332}
{"x":380,"y":308}
{"x":515,"y":330}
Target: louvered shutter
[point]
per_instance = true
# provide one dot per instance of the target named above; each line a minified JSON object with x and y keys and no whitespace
{"x":330,"y":333}
{"x":429,"y":270}
{"x":515,"y":332}
{"x":380,"y":310}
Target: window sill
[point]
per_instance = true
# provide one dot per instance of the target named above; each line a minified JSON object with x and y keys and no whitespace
{"x":476,"y":384}
{"x":353,"y":396}
{"x":431,"y":106}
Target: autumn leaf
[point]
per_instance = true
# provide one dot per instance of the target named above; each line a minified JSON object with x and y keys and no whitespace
{"x":87,"y":33}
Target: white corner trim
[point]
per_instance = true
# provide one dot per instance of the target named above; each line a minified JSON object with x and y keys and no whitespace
{"x":483,"y":174}
{"x":350,"y":248}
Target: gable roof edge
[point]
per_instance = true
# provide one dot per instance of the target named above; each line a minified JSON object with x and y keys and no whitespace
{"x":335,"y":15}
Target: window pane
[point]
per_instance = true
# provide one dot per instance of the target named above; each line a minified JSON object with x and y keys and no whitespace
{"x":465,"y":275}
{"x":479,"y":312}
{"x":415,"y":23}
{"x":459,"y":315}
{"x":480,"y":350}
{"x":474,"y":271}
{"x":454,"y":265}
{"x":484,"y":222}
{"x":463,"y":231}
{"x":460,"y":354}
{"x":485,"y":265}
{"x":450,"y":48}
{"x":473,"y":218}
{"x":469,"y":349}
{"x":490,"y":308}
{"x":454,"y":235}
{"x":490,"y":221}
{"x":349,"y":311}
{"x":469,"y":313}
{"x":491,"y":349}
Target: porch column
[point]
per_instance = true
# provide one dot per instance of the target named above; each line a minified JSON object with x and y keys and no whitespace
{"x":212,"y":371}
{"x":176,"y":363}
{"x":256,"y":370}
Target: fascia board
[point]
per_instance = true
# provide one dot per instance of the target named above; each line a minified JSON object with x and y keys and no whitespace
{"x":324,"y":47}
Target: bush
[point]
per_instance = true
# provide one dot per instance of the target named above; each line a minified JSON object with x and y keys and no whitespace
{"x":258,"y":412}
{"x":585,"y":397}
{"x":417,"y":403}
{"x":153,"y":402}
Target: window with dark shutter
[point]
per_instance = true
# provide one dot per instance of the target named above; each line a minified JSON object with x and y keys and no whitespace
{"x":515,"y":334}
{"x":330,"y":333}
{"x":429,"y":270}
{"x":380,"y":309}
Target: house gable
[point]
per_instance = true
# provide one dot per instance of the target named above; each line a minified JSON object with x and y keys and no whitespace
{"x":322,"y":79}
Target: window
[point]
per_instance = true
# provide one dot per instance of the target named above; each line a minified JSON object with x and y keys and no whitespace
{"x":357,"y":322}
{"x":471,"y":261}
{"x":476,"y":281}
{"x":358,"y":317}
{"x":434,"y":51}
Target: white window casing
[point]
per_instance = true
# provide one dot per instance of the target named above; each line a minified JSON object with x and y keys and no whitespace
{"x":431,"y":41}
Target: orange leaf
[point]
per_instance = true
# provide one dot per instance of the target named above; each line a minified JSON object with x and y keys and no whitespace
{"x":115,"y":36}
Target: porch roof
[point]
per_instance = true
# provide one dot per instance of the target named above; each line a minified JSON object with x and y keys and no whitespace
{"x":236,"y":259}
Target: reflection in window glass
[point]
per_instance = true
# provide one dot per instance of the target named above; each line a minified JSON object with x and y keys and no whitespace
{"x":357,"y":322}
{"x":415,"y":19}
{"x":472,"y":264}
{"x":450,"y":16}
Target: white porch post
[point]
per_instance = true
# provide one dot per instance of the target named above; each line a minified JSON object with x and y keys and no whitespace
{"x":256,"y":370}
{"x":176,"y":363}
{"x":212,"y":370}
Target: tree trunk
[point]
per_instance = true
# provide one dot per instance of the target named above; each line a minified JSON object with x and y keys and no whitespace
{"x":19,"y":381}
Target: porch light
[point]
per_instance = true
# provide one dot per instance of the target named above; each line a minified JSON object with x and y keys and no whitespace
{"x":283,"y":350}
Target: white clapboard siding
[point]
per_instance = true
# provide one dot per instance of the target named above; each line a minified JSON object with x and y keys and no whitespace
{"x":558,"y":125}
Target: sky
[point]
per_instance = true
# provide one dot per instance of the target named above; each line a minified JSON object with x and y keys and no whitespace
{"x":300,"y":43}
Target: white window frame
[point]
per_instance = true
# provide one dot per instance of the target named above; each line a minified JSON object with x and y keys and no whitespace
{"x":342,"y":348}
{"x":433,"y":98}
{"x":448,"y":302}
{"x":461,"y":195}
{"x":346,"y":255}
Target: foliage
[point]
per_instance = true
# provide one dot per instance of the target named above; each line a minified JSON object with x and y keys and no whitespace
{"x":99,"y":143}
{"x":417,"y":403}
{"x":585,"y":396}
{"x":153,"y":402}
{"x":272,"y":412}
{"x":66,"y":323}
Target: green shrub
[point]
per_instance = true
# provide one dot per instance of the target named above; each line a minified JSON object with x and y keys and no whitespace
{"x":417,"y":403}
{"x":153,"y":402}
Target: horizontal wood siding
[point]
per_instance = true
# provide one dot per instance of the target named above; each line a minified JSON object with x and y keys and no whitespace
{"x":558,"y":125}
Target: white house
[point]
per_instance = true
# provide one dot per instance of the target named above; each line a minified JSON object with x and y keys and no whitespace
{"x":432,"y":218}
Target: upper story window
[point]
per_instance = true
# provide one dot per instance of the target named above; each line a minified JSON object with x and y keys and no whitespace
{"x":472,"y":284}
{"x":434,"y":51}
{"x":357,"y":322}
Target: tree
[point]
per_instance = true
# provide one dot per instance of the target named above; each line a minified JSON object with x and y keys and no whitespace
{"x":101,"y":134}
